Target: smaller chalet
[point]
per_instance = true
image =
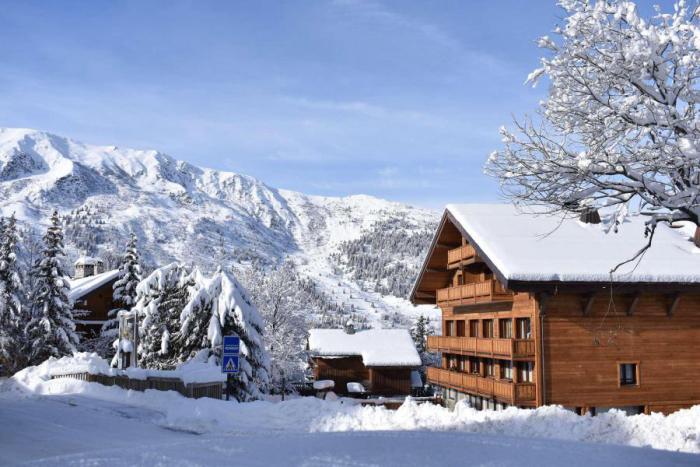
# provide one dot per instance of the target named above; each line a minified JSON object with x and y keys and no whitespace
{"x":382,"y":360}
{"x":91,"y":293}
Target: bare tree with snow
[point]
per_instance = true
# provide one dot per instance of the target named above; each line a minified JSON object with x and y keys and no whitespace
{"x":620,"y":125}
{"x":281,"y":302}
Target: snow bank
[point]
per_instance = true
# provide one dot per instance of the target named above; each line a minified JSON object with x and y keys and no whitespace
{"x":677,"y":432}
{"x":198,"y":370}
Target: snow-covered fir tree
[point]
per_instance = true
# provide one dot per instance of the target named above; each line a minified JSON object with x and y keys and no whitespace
{"x":156,"y":318}
{"x":420,"y":332}
{"x":124,"y":296}
{"x":11,"y":299}
{"x":281,"y":301}
{"x":235,"y":315}
{"x":195,"y":318}
{"x":51,"y":329}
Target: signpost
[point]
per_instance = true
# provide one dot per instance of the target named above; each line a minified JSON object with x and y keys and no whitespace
{"x":230,"y":351}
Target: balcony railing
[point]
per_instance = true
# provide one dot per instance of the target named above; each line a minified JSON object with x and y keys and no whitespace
{"x":475,"y":292}
{"x":507,"y":348}
{"x":462,"y":256}
{"x":502,"y":390}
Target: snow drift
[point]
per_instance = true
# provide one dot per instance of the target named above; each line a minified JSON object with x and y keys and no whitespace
{"x":677,"y":432}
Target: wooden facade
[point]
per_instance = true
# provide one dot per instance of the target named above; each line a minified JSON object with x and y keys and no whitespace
{"x":573,"y":344}
{"x":96,"y":304}
{"x":381,"y":381}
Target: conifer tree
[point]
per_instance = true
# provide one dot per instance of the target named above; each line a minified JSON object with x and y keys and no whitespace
{"x":51,"y":328}
{"x":235,"y":315}
{"x":11,"y":313}
{"x":420,"y":333}
{"x":124,"y":296}
{"x":195,"y":318}
{"x":157,"y":306}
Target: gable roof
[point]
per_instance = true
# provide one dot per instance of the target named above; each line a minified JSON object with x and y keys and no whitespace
{"x":377,"y":347}
{"x":524,"y":248}
{"x":81,"y":287}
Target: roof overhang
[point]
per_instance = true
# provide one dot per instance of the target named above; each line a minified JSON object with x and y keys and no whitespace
{"x":551,"y":287}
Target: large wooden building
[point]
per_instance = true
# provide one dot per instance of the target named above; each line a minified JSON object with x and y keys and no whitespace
{"x":383,"y":361}
{"x":92,"y":295}
{"x":531,"y":315}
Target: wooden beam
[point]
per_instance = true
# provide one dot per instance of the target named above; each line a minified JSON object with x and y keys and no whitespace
{"x":425,"y":294}
{"x":589,"y":304}
{"x":675,"y":298}
{"x":447,"y":245}
{"x":436,"y":270}
{"x":633,"y":304}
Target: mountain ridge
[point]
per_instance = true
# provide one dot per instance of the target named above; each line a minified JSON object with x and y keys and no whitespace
{"x":196,"y":215}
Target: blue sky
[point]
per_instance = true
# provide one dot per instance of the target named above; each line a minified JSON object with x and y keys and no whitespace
{"x":397,"y":99}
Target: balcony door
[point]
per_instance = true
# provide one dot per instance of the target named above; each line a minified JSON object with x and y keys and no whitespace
{"x":522,"y":328}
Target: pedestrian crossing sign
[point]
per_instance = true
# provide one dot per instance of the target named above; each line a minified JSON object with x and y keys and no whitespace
{"x":229,"y":364}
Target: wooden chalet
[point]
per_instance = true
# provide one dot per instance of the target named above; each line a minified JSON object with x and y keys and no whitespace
{"x":531,"y":315}
{"x":382,"y":360}
{"x":91,"y":293}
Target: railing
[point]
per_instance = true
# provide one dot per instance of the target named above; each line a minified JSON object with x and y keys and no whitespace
{"x":509,"y":348}
{"x":191,"y":390}
{"x":503,"y":390}
{"x":462,"y":255}
{"x":475,"y":292}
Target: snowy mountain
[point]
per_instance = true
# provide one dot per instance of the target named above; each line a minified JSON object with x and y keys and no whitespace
{"x":206,"y":217}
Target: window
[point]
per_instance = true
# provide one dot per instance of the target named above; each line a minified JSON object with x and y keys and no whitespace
{"x":474,"y":365}
{"x":460,"y":328}
{"x":522,"y":328}
{"x":474,"y":328}
{"x":460,"y":279}
{"x":506,"y":369}
{"x":452,"y":362}
{"x":488,"y":367}
{"x":525,"y":371}
{"x":449,"y":328}
{"x":628,"y":374}
{"x":506,"y":329}
{"x":463,"y":364}
{"x":487,"y":328}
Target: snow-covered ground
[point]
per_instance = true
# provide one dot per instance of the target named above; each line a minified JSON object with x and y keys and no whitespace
{"x":71,"y":422}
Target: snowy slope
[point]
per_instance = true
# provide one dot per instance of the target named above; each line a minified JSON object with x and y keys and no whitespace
{"x":191,"y":214}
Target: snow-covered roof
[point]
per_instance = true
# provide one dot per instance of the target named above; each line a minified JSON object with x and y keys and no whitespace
{"x":82,"y":287}
{"x":87,"y":261}
{"x":527,"y":247}
{"x":377,"y":347}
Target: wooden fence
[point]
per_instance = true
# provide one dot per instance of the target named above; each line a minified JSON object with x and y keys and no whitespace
{"x":192,"y":390}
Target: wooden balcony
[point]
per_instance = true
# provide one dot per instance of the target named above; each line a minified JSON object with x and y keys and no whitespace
{"x":479,"y":346}
{"x":500,"y":390}
{"x":475,"y":292}
{"x":462,"y":256}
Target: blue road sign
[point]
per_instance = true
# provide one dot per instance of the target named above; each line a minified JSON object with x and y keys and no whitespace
{"x":232,"y":345}
{"x":229,"y":364}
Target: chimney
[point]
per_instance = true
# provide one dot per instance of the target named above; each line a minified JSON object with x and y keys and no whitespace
{"x":697,"y":236}
{"x":590,"y":216}
{"x":87,"y":266}
{"x":350,"y":327}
